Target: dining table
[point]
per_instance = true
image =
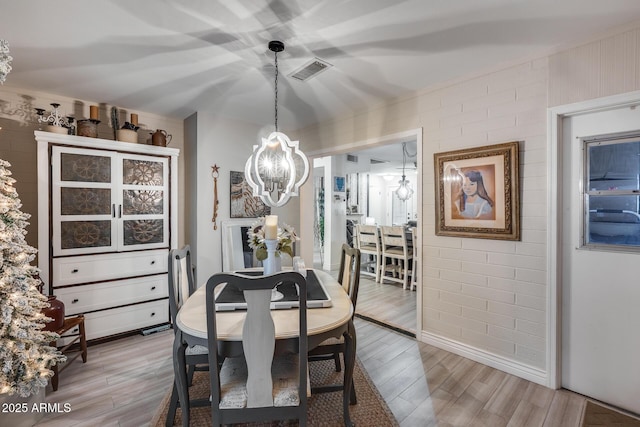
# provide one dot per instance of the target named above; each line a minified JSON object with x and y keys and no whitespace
{"x":334,"y":321}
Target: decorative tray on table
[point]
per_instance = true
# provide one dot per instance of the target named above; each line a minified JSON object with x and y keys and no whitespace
{"x":231,"y":298}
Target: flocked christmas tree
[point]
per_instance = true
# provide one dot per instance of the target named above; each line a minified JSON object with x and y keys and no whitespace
{"x":25,"y":356}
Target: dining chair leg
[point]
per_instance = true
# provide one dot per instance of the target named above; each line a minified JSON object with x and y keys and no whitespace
{"x":190,"y":372}
{"x":180,"y":377}
{"x":336,"y":359}
{"x":173,"y":406}
{"x":349,"y":361}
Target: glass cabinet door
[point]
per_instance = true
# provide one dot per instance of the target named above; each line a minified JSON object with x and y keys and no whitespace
{"x":104,"y":201}
{"x":145,"y":202}
{"x":83,"y":201}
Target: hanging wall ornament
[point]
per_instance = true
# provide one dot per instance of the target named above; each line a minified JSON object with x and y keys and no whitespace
{"x":215,"y":173}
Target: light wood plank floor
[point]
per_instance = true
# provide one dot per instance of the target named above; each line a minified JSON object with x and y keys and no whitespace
{"x":123,"y":382}
{"x":388,"y":303}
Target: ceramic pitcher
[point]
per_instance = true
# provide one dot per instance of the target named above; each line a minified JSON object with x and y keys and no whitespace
{"x":160,"y":138}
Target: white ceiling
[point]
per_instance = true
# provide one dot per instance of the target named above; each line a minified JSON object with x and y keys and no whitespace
{"x":174,"y":58}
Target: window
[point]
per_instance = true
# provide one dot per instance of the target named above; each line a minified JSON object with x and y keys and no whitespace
{"x":612,"y":193}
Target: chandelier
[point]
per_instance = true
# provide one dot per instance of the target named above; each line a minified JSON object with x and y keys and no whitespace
{"x":277,"y":168}
{"x":404,"y":191}
{"x":5,"y":60}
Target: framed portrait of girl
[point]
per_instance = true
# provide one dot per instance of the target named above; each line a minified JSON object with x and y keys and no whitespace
{"x":477,"y":192}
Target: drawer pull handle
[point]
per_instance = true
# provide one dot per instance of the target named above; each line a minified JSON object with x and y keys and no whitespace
{"x":153,"y":262}
{"x":153,"y":314}
{"x":153,"y":288}
{"x":75,"y":301}
{"x":75,"y":270}
{"x":75,"y":331}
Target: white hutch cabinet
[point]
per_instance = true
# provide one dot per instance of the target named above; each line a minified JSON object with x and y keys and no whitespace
{"x":107,"y":217}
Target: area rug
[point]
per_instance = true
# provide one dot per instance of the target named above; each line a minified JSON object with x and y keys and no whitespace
{"x":324,"y":409}
{"x":598,"y":415}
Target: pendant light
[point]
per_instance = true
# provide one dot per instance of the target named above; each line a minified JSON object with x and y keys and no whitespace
{"x":404,"y":191}
{"x":277,"y":167}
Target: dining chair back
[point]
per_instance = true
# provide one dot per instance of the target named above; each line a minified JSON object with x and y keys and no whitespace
{"x":369,"y":244}
{"x":181,"y":281}
{"x":349,"y":272}
{"x":181,"y":286}
{"x":396,"y":255}
{"x":349,"y":278}
{"x":258,"y":386}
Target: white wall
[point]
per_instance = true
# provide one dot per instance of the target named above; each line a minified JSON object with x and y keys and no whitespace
{"x":487,"y":299}
{"x":481,"y":298}
{"x":227,"y":143}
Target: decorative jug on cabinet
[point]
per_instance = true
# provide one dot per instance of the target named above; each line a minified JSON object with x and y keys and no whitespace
{"x":54,"y":311}
{"x":160,"y":138}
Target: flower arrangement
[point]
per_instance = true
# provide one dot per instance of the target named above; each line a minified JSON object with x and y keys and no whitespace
{"x":5,"y":60}
{"x":286,"y":236}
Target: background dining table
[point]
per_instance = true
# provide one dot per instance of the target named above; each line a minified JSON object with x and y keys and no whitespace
{"x":322,"y":323}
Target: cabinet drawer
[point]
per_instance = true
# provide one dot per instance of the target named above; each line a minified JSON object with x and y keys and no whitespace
{"x":109,"y":322}
{"x":97,"y":296}
{"x":95,"y":268}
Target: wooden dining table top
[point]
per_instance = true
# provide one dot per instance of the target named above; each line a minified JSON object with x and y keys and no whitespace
{"x":192,"y":316}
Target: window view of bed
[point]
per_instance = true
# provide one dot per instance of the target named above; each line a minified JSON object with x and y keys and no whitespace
{"x":612,"y":196}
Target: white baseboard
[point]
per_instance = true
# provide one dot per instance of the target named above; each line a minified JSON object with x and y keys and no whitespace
{"x":501,"y":363}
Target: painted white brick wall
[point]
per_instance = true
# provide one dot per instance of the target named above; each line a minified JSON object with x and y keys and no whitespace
{"x":471,"y":285}
{"x":505,"y":105}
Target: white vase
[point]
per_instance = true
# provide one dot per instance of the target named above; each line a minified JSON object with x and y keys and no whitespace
{"x":272,"y":264}
{"x":18,"y":411}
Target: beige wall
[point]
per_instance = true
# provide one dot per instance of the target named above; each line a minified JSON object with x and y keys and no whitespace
{"x":17,"y":143}
{"x":486,"y":294}
{"x":487,"y":299}
{"x":608,"y":66}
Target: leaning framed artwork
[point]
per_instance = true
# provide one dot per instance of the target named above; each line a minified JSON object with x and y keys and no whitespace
{"x":243,"y":203}
{"x":477,"y":192}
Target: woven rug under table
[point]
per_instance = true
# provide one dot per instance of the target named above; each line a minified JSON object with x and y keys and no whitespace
{"x":323,"y":409}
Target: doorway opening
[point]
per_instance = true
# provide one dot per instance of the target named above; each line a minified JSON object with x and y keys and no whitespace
{"x":357,"y":186}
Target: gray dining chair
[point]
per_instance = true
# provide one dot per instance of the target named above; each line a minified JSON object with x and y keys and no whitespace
{"x":259,"y":385}
{"x":181,"y":286}
{"x":349,"y":278}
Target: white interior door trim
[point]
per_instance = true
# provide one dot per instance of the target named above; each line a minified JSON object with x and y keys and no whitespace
{"x":555,"y":118}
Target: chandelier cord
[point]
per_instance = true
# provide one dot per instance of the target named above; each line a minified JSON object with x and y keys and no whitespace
{"x":276,"y":87}
{"x":404,"y":158}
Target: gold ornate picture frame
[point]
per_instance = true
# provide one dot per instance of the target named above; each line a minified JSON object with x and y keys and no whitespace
{"x":478,"y":192}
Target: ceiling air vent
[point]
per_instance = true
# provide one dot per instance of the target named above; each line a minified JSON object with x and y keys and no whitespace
{"x":310,"y":69}
{"x":352,"y":158}
{"x":378,"y":161}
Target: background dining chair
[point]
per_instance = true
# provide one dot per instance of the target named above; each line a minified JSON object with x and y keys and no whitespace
{"x":349,"y":278}
{"x":395,"y":249}
{"x":181,"y":286}
{"x":369,"y":244}
{"x":258,"y":386}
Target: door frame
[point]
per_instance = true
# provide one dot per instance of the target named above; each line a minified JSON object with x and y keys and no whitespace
{"x":307,"y":197}
{"x":555,"y":117}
